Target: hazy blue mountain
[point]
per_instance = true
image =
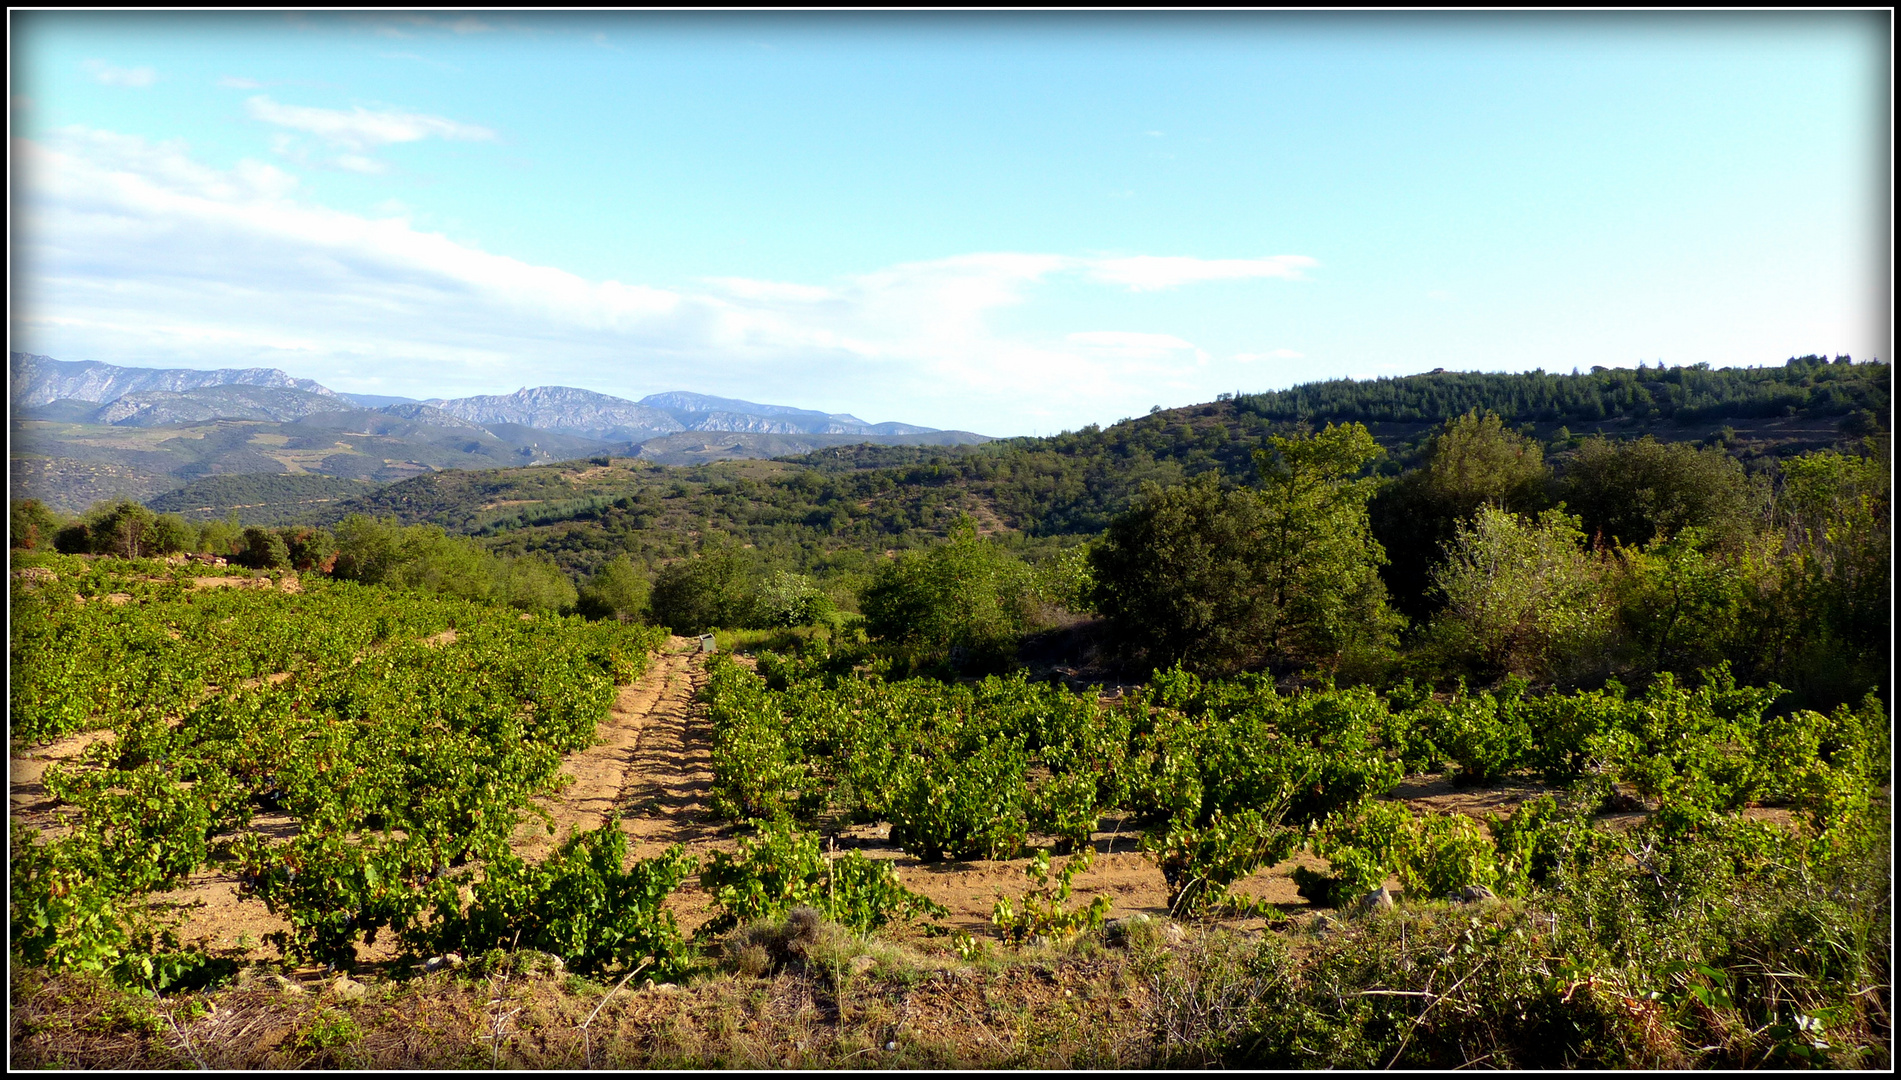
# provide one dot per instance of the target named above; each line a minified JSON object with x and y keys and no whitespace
{"x":378,"y":401}
{"x":566,"y":410}
{"x":42,"y":380}
{"x":151,"y":408}
{"x":704,"y":412}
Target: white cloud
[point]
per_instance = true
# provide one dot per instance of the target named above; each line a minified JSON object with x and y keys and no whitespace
{"x":138,"y":254}
{"x":1147,"y":273}
{"x":359,"y":164}
{"x":1274,"y":354}
{"x":238,"y":82}
{"x":1130,"y":342}
{"x":362,"y":129}
{"x":138,"y":78}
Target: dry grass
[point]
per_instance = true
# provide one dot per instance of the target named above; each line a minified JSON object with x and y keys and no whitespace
{"x":823,"y":1006}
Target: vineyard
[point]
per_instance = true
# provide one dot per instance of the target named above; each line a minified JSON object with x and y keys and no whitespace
{"x":1227,"y":778}
{"x":397,"y":741}
{"x":1679,"y":876}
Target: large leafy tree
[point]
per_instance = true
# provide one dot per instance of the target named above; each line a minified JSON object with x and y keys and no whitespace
{"x":1178,"y":577}
{"x":620,"y":590}
{"x":1473,"y":461}
{"x":966,"y":595}
{"x":1638,"y":491}
{"x":714,"y":588}
{"x":1228,"y":579}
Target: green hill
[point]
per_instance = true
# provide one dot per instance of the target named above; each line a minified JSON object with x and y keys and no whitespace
{"x":838,"y":507}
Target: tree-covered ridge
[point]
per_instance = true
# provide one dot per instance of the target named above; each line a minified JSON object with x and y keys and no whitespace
{"x":261,"y":498}
{"x":838,"y":507}
{"x":1687,"y":394}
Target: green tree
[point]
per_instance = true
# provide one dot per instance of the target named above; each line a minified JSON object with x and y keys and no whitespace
{"x":263,"y":549}
{"x":1637,"y":492}
{"x":381,"y":552}
{"x":310,"y":548}
{"x":220,"y":537}
{"x":965,"y":596}
{"x":1679,"y":604}
{"x":789,"y":599}
{"x":430,"y":560}
{"x":1522,"y":597}
{"x":533,"y":583}
{"x":1178,"y":578}
{"x":171,"y":534}
{"x":123,"y":528}
{"x":1473,"y":461}
{"x":619,"y":590}
{"x":73,"y":538}
{"x":32,"y":525}
{"x":1835,"y":585}
{"x":1223,"y":580}
{"x":1322,"y":563}
{"x":712,"y":589}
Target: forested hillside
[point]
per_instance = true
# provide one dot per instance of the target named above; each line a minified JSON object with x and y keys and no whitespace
{"x":1687,"y":395}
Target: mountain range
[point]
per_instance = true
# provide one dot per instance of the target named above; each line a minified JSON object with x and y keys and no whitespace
{"x":82,"y":431}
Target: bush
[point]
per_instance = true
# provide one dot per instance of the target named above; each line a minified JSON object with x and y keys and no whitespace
{"x":1044,"y":911}
{"x":533,"y":583}
{"x":32,"y":525}
{"x":1521,"y":597}
{"x":1225,"y":580}
{"x":171,"y":534}
{"x":1200,"y":862}
{"x":1638,"y":491}
{"x":787,"y":599}
{"x":965,"y":806}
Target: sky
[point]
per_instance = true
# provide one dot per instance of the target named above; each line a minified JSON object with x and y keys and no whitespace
{"x":1008,"y":224}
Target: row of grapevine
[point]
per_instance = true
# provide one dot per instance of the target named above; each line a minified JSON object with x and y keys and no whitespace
{"x":404,"y":761}
{"x":1228,"y":776}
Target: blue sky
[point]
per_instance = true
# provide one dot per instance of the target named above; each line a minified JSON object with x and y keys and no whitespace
{"x":1002,"y":224}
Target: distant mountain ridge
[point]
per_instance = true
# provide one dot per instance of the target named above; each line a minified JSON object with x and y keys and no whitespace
{"x":86,"y":430}
{"x":565,"y":409}
{"x":152,"y":408}
{"x":704,"y":412}
{"x":42,"y":380}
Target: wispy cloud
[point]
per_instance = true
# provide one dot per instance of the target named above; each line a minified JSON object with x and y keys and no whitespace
{"x":252,"y":274}
{"x":402,"y":26}
{"x":362,"y":129}
{"x":1130,"y":343}
{"x":1147,"y":273}
{"x":238,"y":82}
{"x":137,"y":78}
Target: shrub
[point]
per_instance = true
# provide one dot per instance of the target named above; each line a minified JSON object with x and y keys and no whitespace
{"x":964,"y":806}
{"x":1044,"y":911}
{"x":1199,"y":863}
{"x":32,"y":525}
{"x":1521,"y":597}
{"x":533,"y":583}
{"x":263,"y":549}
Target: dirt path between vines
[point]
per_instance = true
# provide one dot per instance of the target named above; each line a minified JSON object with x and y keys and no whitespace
{"x":650,"y":768}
